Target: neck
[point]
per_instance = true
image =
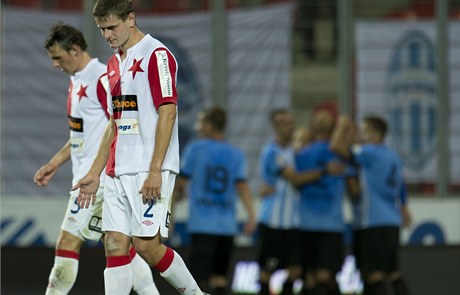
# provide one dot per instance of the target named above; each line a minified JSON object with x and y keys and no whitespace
{"x":84,"y":61}
{"x":135,"y":38}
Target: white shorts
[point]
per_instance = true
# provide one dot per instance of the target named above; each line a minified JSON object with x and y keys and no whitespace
{"x":84,"y":223}
{"x":124,"y":211}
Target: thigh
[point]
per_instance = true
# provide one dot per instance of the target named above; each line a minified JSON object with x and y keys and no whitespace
{"x":116,"y":212}
{"x":268,"y":248}
{"x":293,"y":248}
{"x":330,"y":251}
{"x":201,"y":255}
{"x":86,"y":224}
{"x":373,"y":249}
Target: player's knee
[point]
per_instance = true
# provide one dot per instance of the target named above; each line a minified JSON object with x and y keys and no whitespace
{"x":395,"y":275}
{"x":116,"y":245}
{"x":67,"y":241}
{"x":375,"y":276}
{"x":152,"y":250}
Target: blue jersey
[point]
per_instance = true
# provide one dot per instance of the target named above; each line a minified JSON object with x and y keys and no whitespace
{"x":382,"y":188}
{"x":321,"y":201}
{"x":279,"y":210}
{"x":213,"y":168}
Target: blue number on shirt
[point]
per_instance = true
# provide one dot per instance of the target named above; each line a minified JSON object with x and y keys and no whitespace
{"x":146,"y":213}
{"x":216,"y":179}
{"x":78,"y":207}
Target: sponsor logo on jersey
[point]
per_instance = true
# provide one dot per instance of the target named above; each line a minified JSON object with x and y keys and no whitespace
{"x":76,"y":144}
{"x":164,"y":73}
{"x":75,"y":124}
{"x":124,"y":103}
{"x":412,"y":111}
{"x":127,"y":126}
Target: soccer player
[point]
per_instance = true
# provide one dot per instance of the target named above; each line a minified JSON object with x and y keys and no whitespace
{"x":214,"y":173}
{"x":140,"y":147}
{"x":87,"y":115}
{"x":321,"y":221}
{"x":279,"y":246}
{"x":381,"y":211}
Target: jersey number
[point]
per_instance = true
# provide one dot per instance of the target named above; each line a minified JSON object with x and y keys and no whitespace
{"x":216,"y":179}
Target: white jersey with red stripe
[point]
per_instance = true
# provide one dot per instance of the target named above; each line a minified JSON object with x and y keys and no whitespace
{"x":87,"y":113}
{"x":139,"y":84}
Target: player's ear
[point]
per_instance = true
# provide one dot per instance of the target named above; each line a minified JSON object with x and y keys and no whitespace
{"x":131,"y":19}
{"x":75,"y":51}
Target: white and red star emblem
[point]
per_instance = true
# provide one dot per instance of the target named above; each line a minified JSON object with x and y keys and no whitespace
{"x":136,"y":67}
{"x":82,"y":92}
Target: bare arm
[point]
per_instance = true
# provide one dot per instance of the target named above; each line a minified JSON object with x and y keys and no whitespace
{"x":301,"y":178}
{"x":180,"y":187}
{"x":245,"y":195}
{"x":340,"y":140}
{"x":151,"y":189}
{"x":89,"y":184}
{"x":46,"y":172}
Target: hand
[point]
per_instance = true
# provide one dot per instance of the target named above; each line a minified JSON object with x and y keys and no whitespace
{"x":406,"y":216}
{"x":88,"y":186}
{"x":335,"y":168}
{"x":151,"y":190}
{"x":266,"y":190}
{"x":250,"y":226}
{"x":44,"y":174}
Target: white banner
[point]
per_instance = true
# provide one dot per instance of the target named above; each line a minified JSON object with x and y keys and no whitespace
{"x":397,"y":79}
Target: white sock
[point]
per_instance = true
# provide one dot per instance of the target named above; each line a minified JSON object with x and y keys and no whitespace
{"x":143,"y":283}
{"x":63,"y":274}
{"x":174,"y":270}
{"x":118,"y":276}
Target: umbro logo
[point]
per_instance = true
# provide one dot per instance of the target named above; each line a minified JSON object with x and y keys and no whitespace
{"x":147,"y":222}
{"x":111,"y":73}
{"x":181,"y":290}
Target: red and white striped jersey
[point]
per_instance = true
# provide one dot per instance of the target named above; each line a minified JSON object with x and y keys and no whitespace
{"x":87,"y":113}
{"x":139,"y":84}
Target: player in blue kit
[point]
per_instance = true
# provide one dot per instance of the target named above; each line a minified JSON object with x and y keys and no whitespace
{"x":213,"y":174}
{"x":279,"y":246}
{"x":321,"y":220}
{"x":381,"y":204}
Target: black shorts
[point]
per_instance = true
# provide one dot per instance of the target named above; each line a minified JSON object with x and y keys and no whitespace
{"x":210,"y":255}
{"x":322,"y":250}
{"x":278,"y":248}
{"x":377,"y":249}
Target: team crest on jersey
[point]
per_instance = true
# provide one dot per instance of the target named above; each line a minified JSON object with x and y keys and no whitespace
{"x":411,"y":98}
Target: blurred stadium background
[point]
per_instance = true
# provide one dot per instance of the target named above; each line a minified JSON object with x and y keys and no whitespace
{"x":397,"y":58}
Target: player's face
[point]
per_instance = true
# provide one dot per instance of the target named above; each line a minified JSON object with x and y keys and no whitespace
{"x":367,"y":134}
{"x":284,"y":126}
{"x":64,"y":60}
{"x":116,"y":31}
